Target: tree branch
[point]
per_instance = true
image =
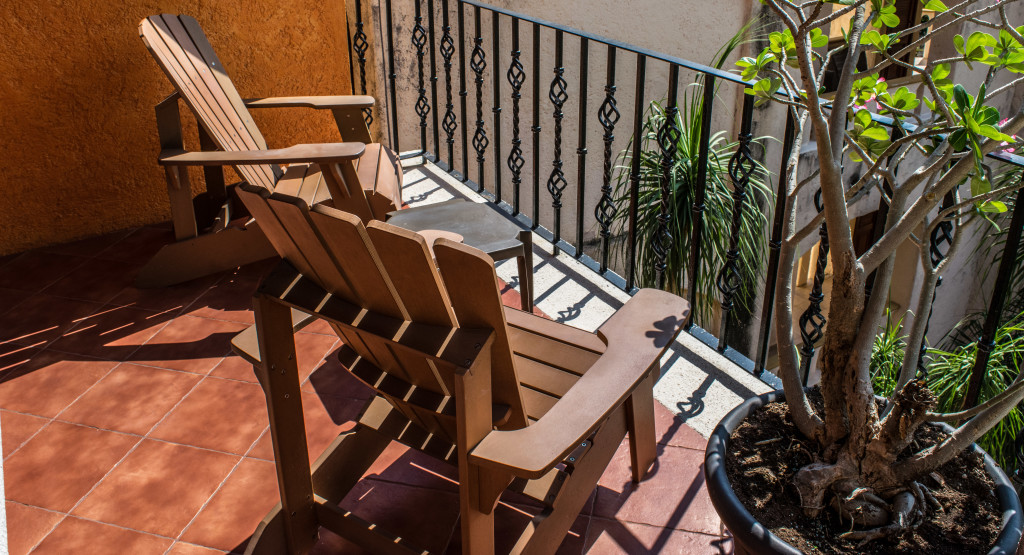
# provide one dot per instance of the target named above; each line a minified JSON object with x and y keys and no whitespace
{"x":948,"y":417}
{"x":919,"y":210}
{"x":937,"y":455}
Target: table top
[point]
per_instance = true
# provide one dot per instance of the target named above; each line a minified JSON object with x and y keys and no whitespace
{"x":479,"y":225}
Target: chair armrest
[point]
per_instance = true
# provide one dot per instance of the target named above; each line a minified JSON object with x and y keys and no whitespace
{"x":637,"y":335}
{"x":315,"y":102}
{"x":319,"y":153}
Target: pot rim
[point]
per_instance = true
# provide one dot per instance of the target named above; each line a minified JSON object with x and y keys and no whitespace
{"x":746,"y":530}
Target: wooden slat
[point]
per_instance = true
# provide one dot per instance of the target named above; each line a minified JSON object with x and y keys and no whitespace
{"x":344,"y":236}
{"x":220,"y":97}
{"x":472,"y":286}
{"x":180,"y":58}
{"x":554,"y":330}
{"x":552,"y":352}
{"x":291,"y":182}
{"x":544,"y":378}
{"x":362,"y":533}
{"x":408,"y":261}
{"x":294,"y":217}
{"x":537,"y":404}
{"x":220,"y":73}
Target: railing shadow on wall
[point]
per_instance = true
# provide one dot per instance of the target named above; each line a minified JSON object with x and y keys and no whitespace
{"x":433,"y":68}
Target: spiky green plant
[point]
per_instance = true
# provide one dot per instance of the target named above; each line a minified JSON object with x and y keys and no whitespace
{"x":718,"y":207}
{"x":718,"y":202}
{"x":949,"y":371}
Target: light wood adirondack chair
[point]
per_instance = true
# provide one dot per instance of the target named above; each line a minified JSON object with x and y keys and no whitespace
{"x":515,"y":401}
{"x":366,"y":182}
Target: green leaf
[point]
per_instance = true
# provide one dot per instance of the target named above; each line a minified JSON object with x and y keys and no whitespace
{"x":991,"y":132}
{"x":993,"y":206}
{"x":876,"y":132}
{"x":935,"y":5}
{"x":818,"y":39}
{"x":961,"y":98}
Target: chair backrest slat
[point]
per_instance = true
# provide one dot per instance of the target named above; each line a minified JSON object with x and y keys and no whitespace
{"x":391,"y":274}
{"x":472,"y":286}
{"x":182,"y":50}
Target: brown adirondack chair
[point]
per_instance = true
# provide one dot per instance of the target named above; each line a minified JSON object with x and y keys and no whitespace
{"x":515,"y":401}
{"x":366,"y":182}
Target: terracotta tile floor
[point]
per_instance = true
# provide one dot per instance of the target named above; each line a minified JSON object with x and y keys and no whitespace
{"x":129,"y":427}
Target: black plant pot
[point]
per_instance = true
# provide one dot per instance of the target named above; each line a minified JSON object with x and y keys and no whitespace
{"x":750,"y":536}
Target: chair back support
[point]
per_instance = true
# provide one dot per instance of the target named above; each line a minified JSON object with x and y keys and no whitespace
{"x":391,"y":274}
{"x":181,"y":49}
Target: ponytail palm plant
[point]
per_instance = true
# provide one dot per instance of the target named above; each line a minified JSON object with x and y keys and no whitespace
{"x":683,"y":184}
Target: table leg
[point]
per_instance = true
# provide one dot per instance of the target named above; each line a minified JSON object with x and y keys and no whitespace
{"x":526,"y":270}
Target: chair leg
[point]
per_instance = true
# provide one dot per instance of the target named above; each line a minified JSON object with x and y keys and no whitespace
{"x":476,"y":526}
{"x":546,"y":532}
{"x":287,"y":428}
{"x":640,"y":423}
{"x":526,"y":270}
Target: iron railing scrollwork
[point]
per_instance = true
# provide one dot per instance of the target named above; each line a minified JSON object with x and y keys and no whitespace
{"x":741,"y":168}
{"x":478,"y":63}
{"x":447,"y":51}
{"x":516,"y":76}
{"x":360,"y":45}
{"x":419,"y":40}
{"x":608,"y":116}
{"x":668,"y":139}
{"x":812,"y":321}
{"x":650,"y":179}
{"x":556,"y":181}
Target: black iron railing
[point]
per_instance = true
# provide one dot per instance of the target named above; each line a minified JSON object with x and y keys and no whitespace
{"x":539,"y":87}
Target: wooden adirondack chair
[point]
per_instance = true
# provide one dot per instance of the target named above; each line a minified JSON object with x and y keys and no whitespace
{"x":366,"y":182}
{"x":515,"y":401}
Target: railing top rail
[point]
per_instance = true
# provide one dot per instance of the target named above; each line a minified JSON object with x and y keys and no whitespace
{"x":681,"y":62}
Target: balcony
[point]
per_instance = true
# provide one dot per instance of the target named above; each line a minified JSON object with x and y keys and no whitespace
{"x":128,"y":423}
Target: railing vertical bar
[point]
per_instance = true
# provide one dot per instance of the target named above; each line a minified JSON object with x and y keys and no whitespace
{"x":360,"y":45}
{"x":447,"y":50}
{"x":774,"y":244}
{"x":536,"y":125}
{"x":516,"y":77}
{"x":433,"y":79}
{"x":351,"y":59}
{"x":463,"y":92}
{"x":608,"y":116}
{"x":634,"y":169}
{"x":391,"y":77}
{"x":986,"y":343}
{"x":700,"y":185}
{"x":812,"y":321}
{"x":419,"y":40}
{"x":496,"y":108}
{"x":668,"y":139}
{"x":556,"y":181}
{"x":581,"y":149}
{"x":478,"y":63}
{"x":741,"y":167}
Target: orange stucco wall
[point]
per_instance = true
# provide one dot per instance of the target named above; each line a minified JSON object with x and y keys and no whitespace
{"x":78,"y":139}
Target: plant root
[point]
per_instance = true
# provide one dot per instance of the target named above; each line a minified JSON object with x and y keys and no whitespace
{"x":905,"y":511}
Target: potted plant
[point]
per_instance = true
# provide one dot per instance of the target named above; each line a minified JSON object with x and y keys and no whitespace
{"x":866,"y":464}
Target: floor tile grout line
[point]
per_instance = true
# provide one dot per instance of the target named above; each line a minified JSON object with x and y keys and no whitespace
{"x":86,"y":495}
{"x":252,"y":446}
{"x":94,"y":521}
{"x":53,"y":418}
{"x":107,"y":474}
